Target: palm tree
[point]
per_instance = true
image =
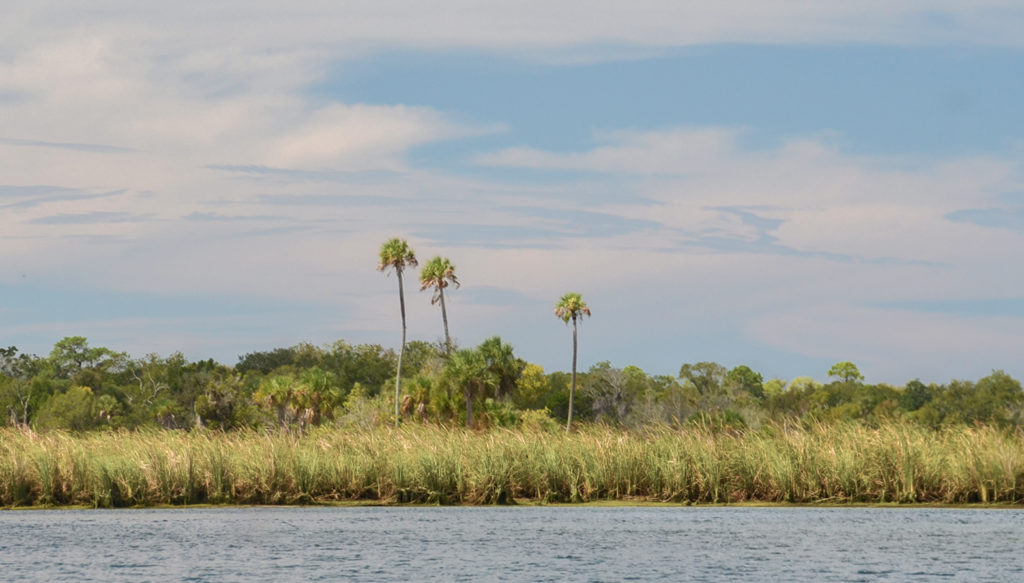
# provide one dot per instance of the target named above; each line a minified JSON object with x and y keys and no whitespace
{"x":396,"y":254}
{"x":502,"y":362}
{"x":468,"y":369}
{"x":439,"y":273}
{"x":572,"y":307}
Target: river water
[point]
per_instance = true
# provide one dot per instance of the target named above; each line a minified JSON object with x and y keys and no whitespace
{"x":543,"y":543}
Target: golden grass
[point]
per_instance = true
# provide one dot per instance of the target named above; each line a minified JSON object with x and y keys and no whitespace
{"x":430,"y":464}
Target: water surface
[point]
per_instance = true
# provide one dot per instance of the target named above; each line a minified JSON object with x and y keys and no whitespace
{"x":513,"y":544}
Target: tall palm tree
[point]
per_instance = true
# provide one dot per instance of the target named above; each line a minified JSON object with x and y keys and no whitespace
{"x":439,"y":273}
{"x":396,"y":254}
{"x":572,"y":307}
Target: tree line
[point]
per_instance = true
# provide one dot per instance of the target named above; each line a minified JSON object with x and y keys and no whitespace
{"x":81,"y":387}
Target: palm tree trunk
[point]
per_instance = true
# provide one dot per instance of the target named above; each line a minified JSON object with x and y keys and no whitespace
{"x":572,"y":387}
{"x":469,"y":408}
{"x":444,"y":317}
{"x":401,"y":349}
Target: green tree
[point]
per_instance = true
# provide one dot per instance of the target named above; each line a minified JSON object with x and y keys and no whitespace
{"x":280,"y":392}
{"x":77,"y":363}
{"x":745,"y":379}
{"x":439,"y":273}
{"x":265,"y":361}
{"x":916,"y":395}
{"x":319,"y":394}
{"x":846,"y":372}
{"x":608,"y":389}
{"x":221,"y":402}
{"x":369,"y":365}
{"x":532,"y":387}
{"x":71,"y":410}
{"x":773,"y":387}
{"x":706,"y":377}
{"x":468,"y":369}
{"x":18,"y":391}
{"x":572,"y":307}
{"x":153,"y":382}
{"x":396,"y":254}
{"x":502,"y":363}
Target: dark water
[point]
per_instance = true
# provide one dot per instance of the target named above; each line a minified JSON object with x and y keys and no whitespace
{"x":513,"y":544}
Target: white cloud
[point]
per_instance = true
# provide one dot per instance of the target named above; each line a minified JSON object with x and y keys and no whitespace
{"x":144,"y":109}
{"x":824,"y":200}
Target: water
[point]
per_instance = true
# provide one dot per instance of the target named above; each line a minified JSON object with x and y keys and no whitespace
{"x":513,"y":544}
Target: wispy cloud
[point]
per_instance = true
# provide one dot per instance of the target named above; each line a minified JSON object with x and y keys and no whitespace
{"x":1003,"y":218}
{"x":259,"y":171}
{"x":90,"y":218}
{"x":23,"y":197}
{"x":65,"y":146}
{"x":218,"y":217}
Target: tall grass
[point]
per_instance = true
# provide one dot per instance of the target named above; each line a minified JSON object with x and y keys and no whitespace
{"x":430,"y":464}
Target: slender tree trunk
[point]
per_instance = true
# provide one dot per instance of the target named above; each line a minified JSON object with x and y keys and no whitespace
{"x":469,"y":408}
{"x":401,"y":349}
{"x":572,"y":387}
{"x":444,"y":317}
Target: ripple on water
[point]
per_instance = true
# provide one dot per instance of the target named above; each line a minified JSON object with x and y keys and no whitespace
{"x":513,"y":544}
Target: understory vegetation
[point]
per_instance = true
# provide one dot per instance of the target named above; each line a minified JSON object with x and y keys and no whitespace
{"x":843,"y":463}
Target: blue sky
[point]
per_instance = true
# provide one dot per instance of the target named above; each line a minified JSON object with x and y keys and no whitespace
{"x":777,"y":184}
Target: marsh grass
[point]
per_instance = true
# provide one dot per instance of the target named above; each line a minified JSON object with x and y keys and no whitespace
{"x":441,"y":465}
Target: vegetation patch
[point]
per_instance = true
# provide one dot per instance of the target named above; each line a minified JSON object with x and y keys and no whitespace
{"x":428,"y":464}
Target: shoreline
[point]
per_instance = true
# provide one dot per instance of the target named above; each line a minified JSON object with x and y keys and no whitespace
{"x":532,"y":503}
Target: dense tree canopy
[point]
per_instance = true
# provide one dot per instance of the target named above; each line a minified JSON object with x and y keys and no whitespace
{"x":79,"y":387}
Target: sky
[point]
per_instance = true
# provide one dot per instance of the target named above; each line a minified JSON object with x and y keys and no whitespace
{"x":783,"y":184}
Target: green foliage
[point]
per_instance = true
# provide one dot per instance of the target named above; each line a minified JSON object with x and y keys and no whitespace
{"x":502,"y":364}
{"x":742,"y":378}
{"x":916,"y":395}
{"x":846,"y":372}
{"x":312,"y":386}
{"x":468,"y":370}
{"x":571,"y":307}
{"x":531,"y":387}
{"x":773,"y":387}
{"x":706,"y":377}
{"x":23,"y":385}
{"x":396,"y":254}
{"x":72,"y":357}
{"x":266,"y":361}
{"x":70,"y":410}
{"x":438,"y":273}
{"x":222,"y":402}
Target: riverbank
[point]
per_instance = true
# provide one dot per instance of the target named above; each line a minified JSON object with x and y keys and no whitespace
{"x":845,"y":464}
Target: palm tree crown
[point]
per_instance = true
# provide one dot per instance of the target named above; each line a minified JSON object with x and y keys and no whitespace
{"x":571,"y":306}
{"x":396,"y":254}
{"x":438,"y":273}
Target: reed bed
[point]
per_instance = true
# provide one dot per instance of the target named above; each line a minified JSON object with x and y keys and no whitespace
{"x":430,"y":464}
